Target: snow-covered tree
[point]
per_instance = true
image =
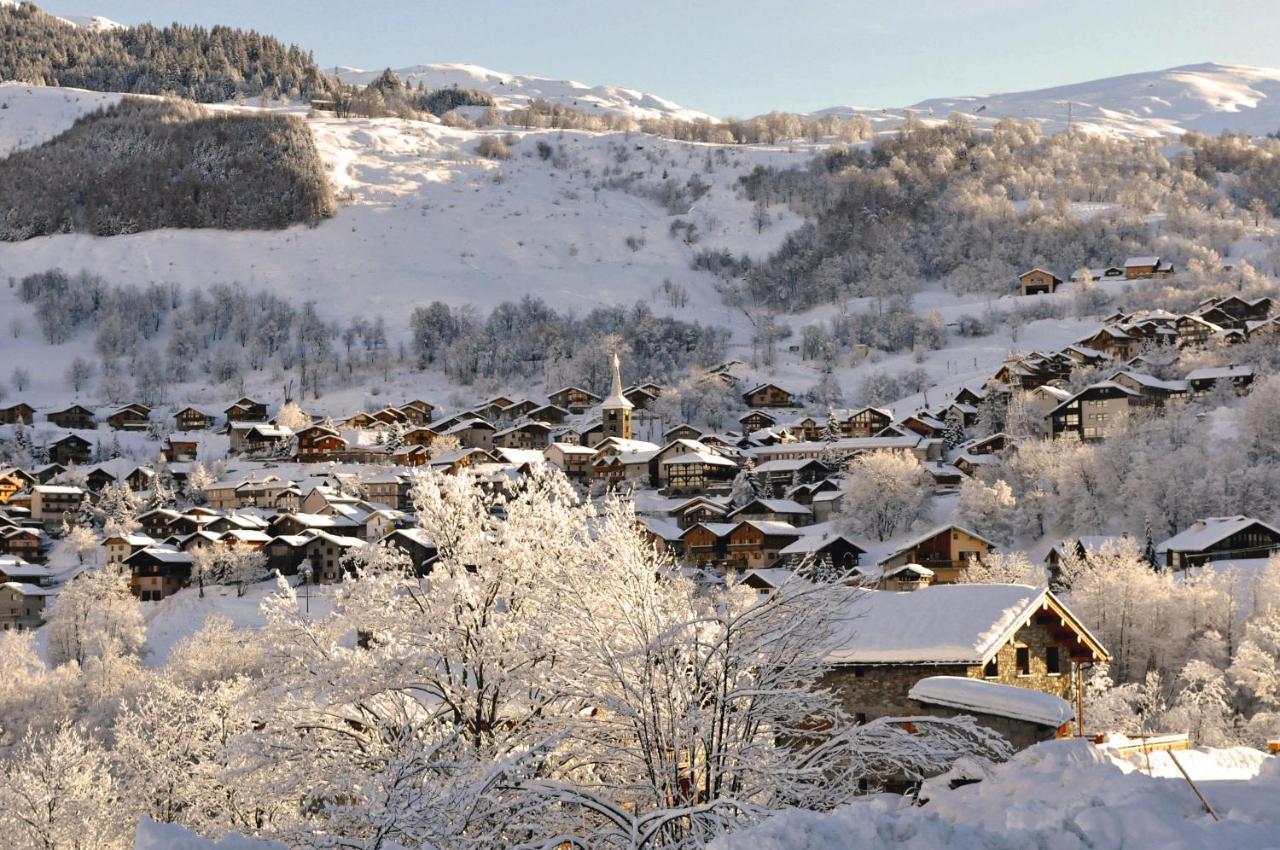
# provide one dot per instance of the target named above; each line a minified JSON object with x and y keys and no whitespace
{"x":95,"y":616}
{"x":118,"y":507}
{"x":885,"y":493}
{"x":989,"y":510}
{"x":292,"y":417}
{"x":198,"y":480}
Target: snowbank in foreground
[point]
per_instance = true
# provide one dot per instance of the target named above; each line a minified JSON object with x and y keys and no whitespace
{"x":1060,"y":795}
{"x":169,"y":836}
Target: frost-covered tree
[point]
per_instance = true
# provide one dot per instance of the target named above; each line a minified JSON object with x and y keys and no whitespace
{"x":118,"y":507}
{"x":95,"y":616}
{"x":990,"y":510}
{"x":884,"y":494}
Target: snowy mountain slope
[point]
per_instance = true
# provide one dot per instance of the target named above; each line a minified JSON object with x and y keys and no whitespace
{"x":91,"y":22}
{"x":31,"y":115}
{"x":1209,"y":98}
{"x":515,"y":90}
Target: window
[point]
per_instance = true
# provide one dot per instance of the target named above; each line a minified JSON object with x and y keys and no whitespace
{"x":992,"y":670}
{"x":1023,"y":655}
{"x":1052,"y":663}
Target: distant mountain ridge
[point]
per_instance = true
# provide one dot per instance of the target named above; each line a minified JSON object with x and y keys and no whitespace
{"x":516,"y":90}
{"x":1209,"y":98}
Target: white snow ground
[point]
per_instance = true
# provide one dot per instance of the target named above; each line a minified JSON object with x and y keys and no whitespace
{"x":1059,"y":795}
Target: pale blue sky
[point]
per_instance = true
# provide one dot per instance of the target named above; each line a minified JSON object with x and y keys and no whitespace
{"x":742,"y":57}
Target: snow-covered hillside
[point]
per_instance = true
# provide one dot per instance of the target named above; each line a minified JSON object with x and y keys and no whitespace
{"x":31,"y":115}
{"x":1209,"y":98}
{"x":515,"y":90}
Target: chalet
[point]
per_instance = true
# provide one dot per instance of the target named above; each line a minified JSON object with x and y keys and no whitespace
{"x":549,"y":413}
{"x":1140,"y":268}
{"x":193,"y":419}
{"x":120,"y":546}
{"x":246,"y":410}
{"x":23,"y":542}
{"x":1096,"y":274}
{"x":699,"y":509}
{"x":16,"y":568}
{"x":389,"y":416}
{"x":1012,"y":648}
{"x":1090,"y":413}
{"x":1043,"y":399}
{"x":1194,"y":331}
{"x":17,"y":414}
{"x":1203,"y":381}
{"x":925,"y":424}
{"x":756,"y":420}
{"x":178,"y":450}
{"x":158,"y":572}
{"x":473,"y":433}
{"x":683,"y":431}
{"x":1220,"y":538}
{"x":132,"y":417}
{"x":22,"y":605}
{"x":74,"y":416}
{"x":1153,"y":391}
{"x":768,"y":395}
{"x":706,"y":543}
{"x":821,"y":551}
{"x":773,"y":510}
{"x":360,"y":421}
{"x":528,"y":435}
{"x":1038,"y":282}
{"x":155,"y":523}
{"x":866,"y":422}
{"x":573,"y":460}
{"x":520,"y":409}
{"x":640,"y":397}
{"x":325,"y":552}
{"x":947,"y":550}
{"x":418,"y":411}
{"x":13,"y":480}
{"x":498,"y":402}
{"x":98,"y":478}
{"x":450,"y":463}
{"x":415,"y":544}
{"x":1234,"y":311}
{"x":1112,"y":341}
{"x":755,"y":544}
{"x":50,"y":503}
{"x":319,"y":443}
{"x":664,"y":536}
{"x":694,"y":471}
{"x":249,"y":437}
{"x":285,"y":553}
{"x":905,"y":578}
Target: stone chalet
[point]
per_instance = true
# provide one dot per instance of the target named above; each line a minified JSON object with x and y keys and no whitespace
{"x":1015,"y":636}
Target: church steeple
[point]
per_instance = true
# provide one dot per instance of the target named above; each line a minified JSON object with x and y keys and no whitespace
{"x":616,"y":409}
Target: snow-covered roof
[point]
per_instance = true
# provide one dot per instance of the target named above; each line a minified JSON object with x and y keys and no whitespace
{"x":939,"y":624}
{"x":708,"y":458}
{"x":1220,"y":372}
{"x":933,"y":532}
{"x":30,"y":589}
{"x":993,"y":698}
{"x":1204,"y":533}
{"x":914,"y":569}
{"x":1141,"y":261}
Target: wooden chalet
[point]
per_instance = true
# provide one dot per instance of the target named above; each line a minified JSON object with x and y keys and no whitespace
{"x":574,"y":399}
{"x":318,"y":443}
{"x":17,"y":414}
{"x":131,"y":417}
{"x":768,"y":395}
{"x":158,"y":572}
{"x":755,"y":544}
{"x":246,"y":410}
{"x":867,"y":422}
{"x":71,"y":449}
{"x":1141,"y":268}
{"x":1039,"y":282}
{"x":1229,"y":538}
{"x":947,"y":550}
{"x":193,"y":419}
{"x":75,"y":416}
{"x":1092,"y":412}
{"x":757,"y":420}
{"x":419,"y":412}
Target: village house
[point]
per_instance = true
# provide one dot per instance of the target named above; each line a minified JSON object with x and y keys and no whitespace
{"x":51,"y":503}
{"x":946,"y":550}
{"x":16,"y":568}
{"x":22,"y":605}
{"x":1139,"y":268}
{"x":756,"y":420}
{"x":1222,"y":538}
{"x":1203,"y":381}
{"x":193,"y":419}
{"x":252,"y":437}
{"x":773,"y":510}
{"x":178,"y":450}
{"x":75,"y":416}
{"x":1022,"y":640}
{"x":527,"y":435}
{"x":768,"y":395}
{"x":473,"y":433}
{"x":325,"y":551}
{"x":12,"y":481}
{"x":415,"y":544}
{"x":755,"y":544}
{"x":1092,"y":412}
{"x":1038,"y":282}
{"x":683,"y":431}
{"x":131,"y":417}
{"x":419,"y":412}
{"x":571,"y":459}
{"x":158,"y":572}
{"x":317,"y":443}
{"x":706,"y":543}
{"x":867,"y":422}
{"x":17,"y":414}
{"x":822,"y":551}
{"x":246,"y":410}
{"x":120,"y":546}
{"x":1194,"y":331}
{"x":22,"y":542}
